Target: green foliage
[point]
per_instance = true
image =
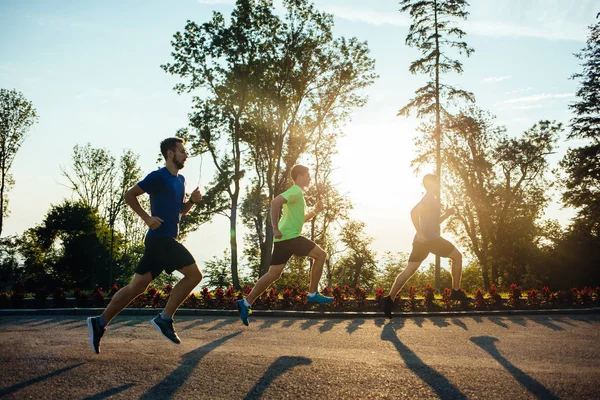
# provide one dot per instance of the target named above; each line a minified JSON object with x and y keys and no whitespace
{"x":391,"y":265}
{"x":586,"y":123}
{"x":72,"y":248}
{"x":272,"y":82}
{"x":425,"y":275}
{"x":357,"y":265}
{"x":499,"y":187}
{"x":165,"y":279}
{"x":217,"y":272}
{"x":17,"y":116}
{"x":432,"y":32}
{"x":296,"y":274}
{"x":582,"y":164}
{"x":471,"y":277}
{"x":10,"y":271}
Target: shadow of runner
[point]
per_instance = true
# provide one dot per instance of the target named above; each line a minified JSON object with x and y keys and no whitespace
{"x":278,"y":368}
{"x":110,"y":392}
{"x":22,"y":385}
{"x":438,"y":382}
{"x":488,"y":343}
{"x":169,"y":386}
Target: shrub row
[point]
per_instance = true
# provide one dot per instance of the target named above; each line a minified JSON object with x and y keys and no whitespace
{"x":345,"y":298}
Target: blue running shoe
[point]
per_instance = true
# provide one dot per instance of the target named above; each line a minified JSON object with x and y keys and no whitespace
{"x":318,"y":298}
{"x":244,"y":311}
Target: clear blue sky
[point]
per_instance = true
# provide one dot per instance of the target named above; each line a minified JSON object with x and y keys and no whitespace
{"x":92,"y":71}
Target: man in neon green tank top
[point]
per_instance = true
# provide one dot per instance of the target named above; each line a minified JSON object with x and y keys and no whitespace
{"x":288,"y":242}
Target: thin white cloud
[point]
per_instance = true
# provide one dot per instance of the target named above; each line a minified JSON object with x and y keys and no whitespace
{"x":367,"y":16}
{"x":538,"y":97}
{"x":557,"y":30}
{"x":497,"y":78}
{"x":529,"y":107}
{"x":519,"y":90}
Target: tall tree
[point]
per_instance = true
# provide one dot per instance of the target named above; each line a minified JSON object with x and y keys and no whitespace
{"x":432,"y":32}
{"x":582,"y":164}
{"x":219,"y":60}
{"x":271,"y":83}
{"x":310,"y":82}
{"x":357,"y":266}
{"x":100,"y":182}
{"x":129,"y":173}
{"x":93,"y":171}
{"x":17,"y":116}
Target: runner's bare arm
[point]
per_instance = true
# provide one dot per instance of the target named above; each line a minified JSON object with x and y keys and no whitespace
{"x":195,"y":197}
{"x":449,"y":211}
{"x":311,"y":215}
{"x":131,"y":199}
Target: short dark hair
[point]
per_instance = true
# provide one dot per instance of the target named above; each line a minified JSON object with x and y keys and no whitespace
{"x":298,"y":170}
{"x":169,"y":144}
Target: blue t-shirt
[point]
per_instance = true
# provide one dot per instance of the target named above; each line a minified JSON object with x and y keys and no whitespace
{"x":429,"y":217}
{"x":167,"y":192}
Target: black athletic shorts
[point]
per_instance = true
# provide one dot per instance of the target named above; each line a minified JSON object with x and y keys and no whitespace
{"x":298,"y":246}
{"x":163,"y":253}
{"x":440,"y":247}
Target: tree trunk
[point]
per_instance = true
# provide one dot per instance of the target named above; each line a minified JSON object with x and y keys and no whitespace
{"x":329,"y":272}
{"x":357,"y":270}
{"x":495,"y":273}
{"x":485,"y":272}
{"x":112,"y":246}
{"x":2,"y":186}
{"x":266,"y":247}
{"x":438,"y":151}
{"x":233,"y":244}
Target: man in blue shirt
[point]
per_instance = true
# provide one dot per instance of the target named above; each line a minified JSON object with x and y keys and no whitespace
{"x":166,"y":188}
{"x":426,"y":219}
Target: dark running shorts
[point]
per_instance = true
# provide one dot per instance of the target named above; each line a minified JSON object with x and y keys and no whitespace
{"x":163,"y":253}
{"x":298,"y":246}
{"x":440,"y":247}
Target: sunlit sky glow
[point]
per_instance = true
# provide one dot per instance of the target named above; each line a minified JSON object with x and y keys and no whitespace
{"x":92,"y":71}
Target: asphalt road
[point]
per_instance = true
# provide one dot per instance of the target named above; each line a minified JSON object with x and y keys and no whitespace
{"x":510,"y":357}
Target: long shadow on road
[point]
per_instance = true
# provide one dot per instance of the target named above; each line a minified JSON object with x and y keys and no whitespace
{"x":110,"y":392}
{"x":278,"y":368}
{"x":488,"y":343}
{"x":22,"y":385}
{"x":169,"y":386}
{"x":438,"y":382}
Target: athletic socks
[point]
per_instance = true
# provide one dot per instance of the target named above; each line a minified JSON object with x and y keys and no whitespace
{"x":102,"y":322}
{"x":165,"y":317}
{"x":246,"y":303}
{"x":312,"y":294}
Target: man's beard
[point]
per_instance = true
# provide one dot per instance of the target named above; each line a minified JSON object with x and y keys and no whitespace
{"x":178,"y":164}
